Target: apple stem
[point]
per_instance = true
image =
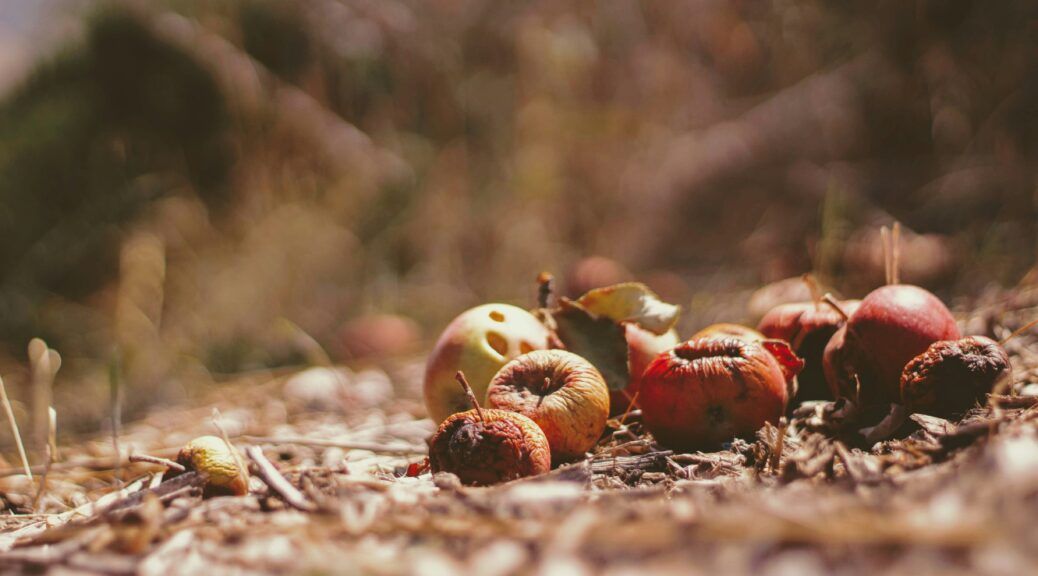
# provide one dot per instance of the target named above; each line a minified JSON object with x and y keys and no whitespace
{"x":545,"y":288}
{"x":813,"y":288}
{"x":895,"y":254}
{"x":460,"y":377}
{"x":544,"y":391}
{"x":884,"y":233}
{"x":828,"y":299}
{"x":1019,"y":331}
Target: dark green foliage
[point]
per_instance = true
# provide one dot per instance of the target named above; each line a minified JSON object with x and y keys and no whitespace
{"x":85,"y":144}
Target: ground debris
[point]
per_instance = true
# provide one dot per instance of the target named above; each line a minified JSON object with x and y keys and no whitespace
{"x":352,"y":489}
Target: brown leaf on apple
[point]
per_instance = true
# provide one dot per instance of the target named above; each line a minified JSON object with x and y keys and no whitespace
{"x":631,"y":302}
{"x":600,"y":340}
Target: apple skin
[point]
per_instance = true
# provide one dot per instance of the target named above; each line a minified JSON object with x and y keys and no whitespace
{"x":488,"y":447}
{"x":891,"y":326}
{"x":707,"y":391}
{"x":808,"y":327}
{"x":642,"y":348}
{"x":478,"y":342}
{"x":562,"y":392}
{"x":725,"y":330}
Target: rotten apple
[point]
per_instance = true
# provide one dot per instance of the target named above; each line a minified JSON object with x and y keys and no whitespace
{"x":710,"y":390}
{"x":808,"y":327}
{"x":562,"y":392}
{"x":642,"y":348}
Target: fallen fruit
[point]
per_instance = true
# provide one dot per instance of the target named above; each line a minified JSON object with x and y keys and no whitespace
{"x":808,"y":327}
{"x":478,"y":342}
{"x":953,"y":375}
{"x":487,"y":446}
{"x":562,"y":392}
{"x":710,"y":390}
{"x":642,"y":348}
{"x":893,"y":324}
{"x":724,"y":330}
{"x":212,"y":457}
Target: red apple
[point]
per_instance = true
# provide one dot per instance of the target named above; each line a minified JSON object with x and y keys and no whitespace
{"x":642,"y":348}
{"x":710,"y":390}
{"x":808,"y":327}
{"x":478,"y":342}
{"x":891,"y":326}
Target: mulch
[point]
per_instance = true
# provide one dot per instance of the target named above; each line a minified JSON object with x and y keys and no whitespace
{"x":340,"y":485}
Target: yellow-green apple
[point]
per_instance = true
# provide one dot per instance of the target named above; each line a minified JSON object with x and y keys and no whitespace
{"x":478,"y":342}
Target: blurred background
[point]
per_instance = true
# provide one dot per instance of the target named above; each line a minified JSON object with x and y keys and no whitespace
{"x":194,"y":189}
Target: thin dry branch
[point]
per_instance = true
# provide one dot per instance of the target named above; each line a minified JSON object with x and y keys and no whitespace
{"x":272,"y":478}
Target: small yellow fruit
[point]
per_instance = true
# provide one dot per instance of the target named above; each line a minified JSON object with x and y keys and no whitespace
{"x":211,"y":456}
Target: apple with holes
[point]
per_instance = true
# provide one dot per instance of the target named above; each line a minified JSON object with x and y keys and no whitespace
{"x":478,"y":342}
{"x":708,"y":391}
{"x":642,"y":348}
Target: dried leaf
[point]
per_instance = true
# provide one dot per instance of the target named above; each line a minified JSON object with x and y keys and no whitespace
{"x":600,"y":340}
{"x":631,"y":302}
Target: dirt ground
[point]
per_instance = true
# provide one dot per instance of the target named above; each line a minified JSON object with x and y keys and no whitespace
{"x":811,"y":496}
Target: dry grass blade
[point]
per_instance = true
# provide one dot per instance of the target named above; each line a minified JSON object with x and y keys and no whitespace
{"x":344,"y":444}
{"x":227,"y":440}
{"x":14,"y":429}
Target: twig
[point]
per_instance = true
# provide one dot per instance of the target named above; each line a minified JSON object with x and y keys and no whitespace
{"x":780,"y":440}
{"x":348,"y":445}
{"x":44,"y":364}
{"x":52,"y":432}
{"x":43,"y":479}
{"x":460,"y":377}
{"x":1019,"y":331}
{"x":14,"y":429}
{"x":884,"y":233}
{"x":812,"y":288}
{"x":272,"y":478}
{"x":227,"y":440}
{"x":545,"y":289}
{"x":115,"y":398}
{"x":895,"y":254}
{"x":92,"y":464}
{"x":828,"y":299}
{"x":630,"y":406}
{"x":175,"y":466}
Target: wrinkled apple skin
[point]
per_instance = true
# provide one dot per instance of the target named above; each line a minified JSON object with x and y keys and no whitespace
{"x":562,"y":392}
{"x":642,"y":348}
{"x":808,"y":327}
{"x":893,"y":325}
{"x":478,"y":342}
{"x":708,"y":391}
{"x":486,"y":449}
